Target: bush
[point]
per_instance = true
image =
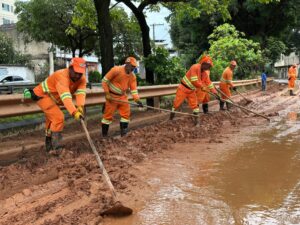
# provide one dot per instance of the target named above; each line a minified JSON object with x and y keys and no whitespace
{"x":95,"y":77}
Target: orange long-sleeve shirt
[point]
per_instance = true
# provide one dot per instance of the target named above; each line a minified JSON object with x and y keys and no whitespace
{"x":60,"y":88}
{"x":192,"y":77}
{"x":117,"y":81}
{"x":227,"y":77}
{"x":292,"y":73}
{"x":205,"y":79}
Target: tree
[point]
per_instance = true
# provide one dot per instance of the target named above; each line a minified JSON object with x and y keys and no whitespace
{"x":52,"y":21}
{"x":229,"y":44}
{"x":274,"y":47}
{"x":8,"y":55}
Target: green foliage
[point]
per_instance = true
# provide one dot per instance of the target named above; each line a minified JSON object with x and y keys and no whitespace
{"x":52,"y":21}
{"x":229,"y":44}
{"x":274,"y":48}
{"x":8,"y":55}
{"x":95,"y":77}
{"x":167,"y":70}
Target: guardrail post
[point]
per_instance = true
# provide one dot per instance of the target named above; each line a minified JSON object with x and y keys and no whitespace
{"x":156,"y":102}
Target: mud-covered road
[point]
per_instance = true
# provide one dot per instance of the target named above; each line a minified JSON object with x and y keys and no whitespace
{"x":233,"y":169}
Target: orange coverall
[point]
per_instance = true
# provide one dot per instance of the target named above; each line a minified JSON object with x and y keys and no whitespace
{"x":187,"y":89}
{"x":117,"y":82}
{"x":55,"y":91}
{"x":292,"y":75}
{"x":226,"y":82}
{"x":202,"y":96}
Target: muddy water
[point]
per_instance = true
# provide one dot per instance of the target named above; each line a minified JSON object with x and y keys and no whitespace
{"x":257,"y":182}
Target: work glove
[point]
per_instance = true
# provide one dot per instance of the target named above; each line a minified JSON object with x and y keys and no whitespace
{"x":78,"y":115}
{"x":81,"y":109}
{"x":140,"y":104}
{"x":233,"y":88}
{"x":108,"y":96}
{"x":27,"y":94}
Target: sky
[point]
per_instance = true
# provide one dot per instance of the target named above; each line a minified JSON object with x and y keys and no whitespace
{"x":161,"y":32}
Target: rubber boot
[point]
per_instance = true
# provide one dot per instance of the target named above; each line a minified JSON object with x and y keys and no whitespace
{"x":48,"y":143}
{"x":228,"y":106}
{"x":56,"y":140}
{"x":222,"y":106}
{"x":172,"y":115}
{"x":205,"y":108}
{"x":196,"y":119}
{"x":124,"y":128}
{"x":105,"y":128}
{"x":292,"y":93}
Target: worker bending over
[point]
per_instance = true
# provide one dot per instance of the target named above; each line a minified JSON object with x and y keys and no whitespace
{"x":56,"y":91}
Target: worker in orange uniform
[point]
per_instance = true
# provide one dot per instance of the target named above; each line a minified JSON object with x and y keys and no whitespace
{"x":189,"y":83}
{"x":226,"y":84}
{"x":115,"y":84}
{"x":57,"y":90}
{"x":203,"y":93}
{"x":292,"y":76}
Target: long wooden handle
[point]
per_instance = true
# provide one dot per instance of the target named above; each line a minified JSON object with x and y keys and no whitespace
{"x":242,"y":95}
{"x":241,"y":107}
{"x":159,"y":109}
{"x":102,"y":168}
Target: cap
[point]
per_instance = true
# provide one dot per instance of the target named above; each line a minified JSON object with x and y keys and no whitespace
{"x":233,"y":63}
{"x":78,"y":64}
{"x":132,"y":61}
{"x":206,"y":59}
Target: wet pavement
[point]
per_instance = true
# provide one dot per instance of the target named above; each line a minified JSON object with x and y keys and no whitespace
{"x":256,"y":182}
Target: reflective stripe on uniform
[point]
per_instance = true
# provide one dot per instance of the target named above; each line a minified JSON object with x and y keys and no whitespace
{"x":124,"y":120}
{"x":105,"y":121}
{"x":196,"y":110}
{"x":188,"y":83}
{"x":134,"y":92}
{"x":115,"y":89}
{"x":226,"y":81}
{"x":105,"y":79}
{"x":80,"y":91}
{"x":65,"y":95}
{"x":194,"y":78}
{"x":211,"y":86}
{"x":45,"y":86}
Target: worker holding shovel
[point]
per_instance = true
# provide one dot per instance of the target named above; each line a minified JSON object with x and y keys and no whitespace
{"x":226,"y":84}
{"x":55,"y":91}
{"x":202,"y":93}
{"x":115,"y":84}
{"x":188,"y":86}
{"x":292,"y":76}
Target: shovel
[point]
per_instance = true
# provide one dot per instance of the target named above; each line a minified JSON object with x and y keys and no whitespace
{"x":248,"y":101}
{"x":117,"y":209}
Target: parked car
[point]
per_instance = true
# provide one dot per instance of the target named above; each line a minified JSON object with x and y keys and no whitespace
{"x":9,"y":83}
{"x":12,"y":80}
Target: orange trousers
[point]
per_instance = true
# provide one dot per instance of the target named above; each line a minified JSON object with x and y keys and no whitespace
{"x":183,"y":93}
{"x":53,"y":115}
{"x":225,"y":89}
{"x":291,"y":84}
{"x":202,"y":96}
{"x":112,"y":106}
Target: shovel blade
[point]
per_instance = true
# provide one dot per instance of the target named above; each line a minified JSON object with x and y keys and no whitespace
{"x":118,"y":210}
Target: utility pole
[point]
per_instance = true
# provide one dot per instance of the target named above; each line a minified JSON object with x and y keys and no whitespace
{"x":153,"y":30}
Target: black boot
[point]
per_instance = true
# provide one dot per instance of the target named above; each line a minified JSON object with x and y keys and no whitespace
{"x":205,"y":108}
{"x":196,"y":119}
{"x":228,"y":106}
{"x":292,"y":93}
{"x":172,"y":115}
{"x":48,"y":143}
{"x":222,"y":105}
{"x":105,"y":128}
{"x":56,"y":140}
{"x":124,"y":128}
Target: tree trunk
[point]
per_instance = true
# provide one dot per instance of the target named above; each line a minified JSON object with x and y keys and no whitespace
{"x":105,"y":32}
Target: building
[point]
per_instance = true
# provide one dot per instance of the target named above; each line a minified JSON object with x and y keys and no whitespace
{"x":283,"y":64}
{"x":7,"y":15}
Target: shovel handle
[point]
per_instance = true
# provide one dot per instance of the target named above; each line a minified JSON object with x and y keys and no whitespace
{"x":242,"y":95}
{"x":102,"y":168}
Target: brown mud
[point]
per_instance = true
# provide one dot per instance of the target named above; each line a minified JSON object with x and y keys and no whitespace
{"x":69,"y":189}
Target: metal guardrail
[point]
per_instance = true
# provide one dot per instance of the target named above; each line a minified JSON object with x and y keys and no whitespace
{"x":13,"y":105}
